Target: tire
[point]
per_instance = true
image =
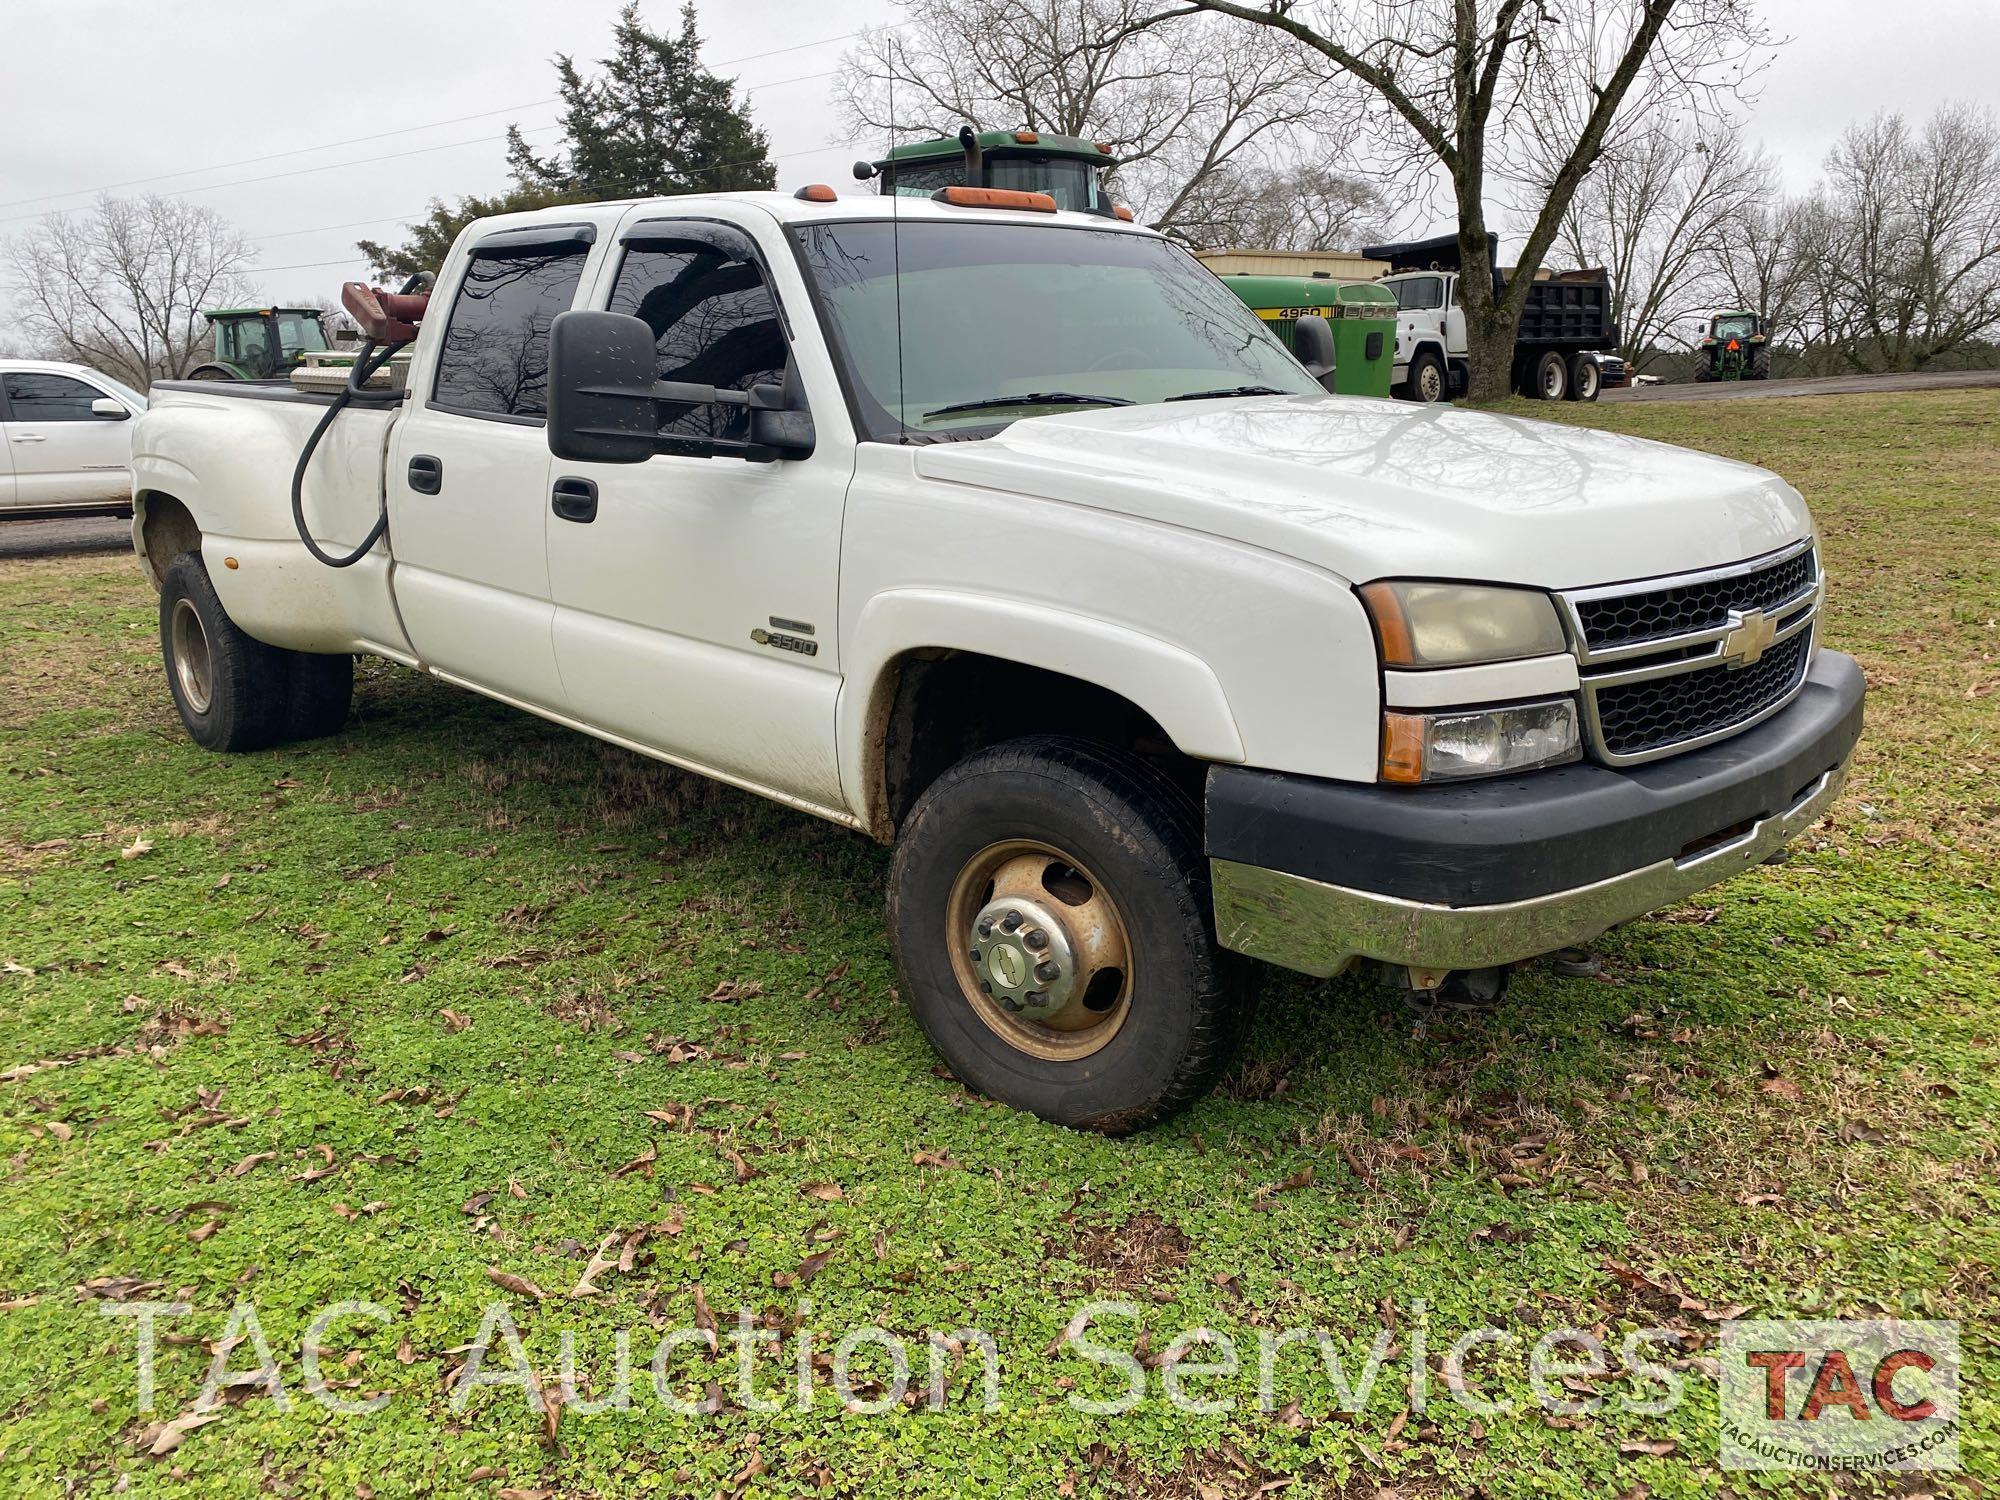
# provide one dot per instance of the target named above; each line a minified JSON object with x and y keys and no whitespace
{"x":1548,"y":378}
{"x":1760,"y":363}
{"x":231,"y":691}
{"x":1428,"y":381}
{"x":320,"y":689}
{"x":1077,"y":840}
{"x":1704,"y":373}
{"x":1586,"y":379}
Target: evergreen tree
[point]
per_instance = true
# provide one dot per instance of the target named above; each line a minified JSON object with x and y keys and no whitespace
{"x":654,"y":122}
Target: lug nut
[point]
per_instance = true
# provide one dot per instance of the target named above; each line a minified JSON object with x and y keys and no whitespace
{"x":985,"y":988}
{"x":1011,"y":922}
{"x":1009,"y":1003}
{"x":978,"y":957}
{"x":1036,"y":939}
{"x":1037,"y":997}
{"x":1048,"y":973}
{"x":986,"y":927}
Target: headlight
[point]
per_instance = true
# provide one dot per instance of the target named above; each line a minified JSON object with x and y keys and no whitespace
{"x":1458,"y":624}
{"x":1485,"y":742}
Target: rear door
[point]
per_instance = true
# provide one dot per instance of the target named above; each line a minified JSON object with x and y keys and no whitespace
{"x":63,"y":453}
{"x":469,"y":465}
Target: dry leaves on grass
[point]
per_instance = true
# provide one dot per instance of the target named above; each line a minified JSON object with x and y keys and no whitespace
{"x":520,"y":1286}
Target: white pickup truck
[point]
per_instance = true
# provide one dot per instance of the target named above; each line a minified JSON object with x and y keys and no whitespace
{"x":1011,"y":537}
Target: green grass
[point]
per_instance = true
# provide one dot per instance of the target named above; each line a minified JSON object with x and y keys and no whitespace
{"x":442,"y":966}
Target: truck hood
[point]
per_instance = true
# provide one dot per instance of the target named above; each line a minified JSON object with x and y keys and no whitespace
{"x":1372,"y":489}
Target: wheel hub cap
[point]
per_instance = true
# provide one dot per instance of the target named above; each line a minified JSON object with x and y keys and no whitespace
{"x":191,"y":660}
{"x":1024,"y":957}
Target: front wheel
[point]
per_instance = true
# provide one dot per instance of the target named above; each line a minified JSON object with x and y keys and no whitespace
{"x":1049,"y":907}
{"x":1427,"y":382}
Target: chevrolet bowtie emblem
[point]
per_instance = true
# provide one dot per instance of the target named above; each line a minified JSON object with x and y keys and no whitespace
{"x":1750,"y":639}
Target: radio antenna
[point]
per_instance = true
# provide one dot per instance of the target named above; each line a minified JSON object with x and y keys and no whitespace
{"x":896,"y":246}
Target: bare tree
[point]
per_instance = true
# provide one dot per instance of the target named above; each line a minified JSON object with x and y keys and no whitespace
{"x":1311,"y":206}
{"x":1484,"y":92}
{"x":1659,"y":213}
{"x":1760,"y":269}
{"x":1186,"y":106}
{"x":123,"y":286}
{"x":1904,"y":249}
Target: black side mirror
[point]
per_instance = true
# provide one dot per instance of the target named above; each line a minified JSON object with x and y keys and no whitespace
{"x":604,"y":399}
{"x":601,"y":379}
{"x":1312,"y":342}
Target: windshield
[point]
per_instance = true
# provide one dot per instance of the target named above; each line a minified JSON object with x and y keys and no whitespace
{"x":1419,"y":293}
{"x":1073,"y":184}
{"x":1740,"y":327}
{"x":994,"y":311}
{"x":300,"y":331}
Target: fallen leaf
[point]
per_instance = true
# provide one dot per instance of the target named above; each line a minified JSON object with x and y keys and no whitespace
{"x":519,"y":1285}
{"x":168,"y":1436}
{"x":254,"y":1159}
{"x":826,"y":1192}
{"x":136,"y":848}
{"x":1647,"y":1447}
{"x":603,"y":1260}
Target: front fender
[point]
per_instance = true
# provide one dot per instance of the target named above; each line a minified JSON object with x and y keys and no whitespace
{"x":1174,"y":686}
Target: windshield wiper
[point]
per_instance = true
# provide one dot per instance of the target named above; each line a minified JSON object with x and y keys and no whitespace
{"x":1033,"y":398}
{"x":1222,"y":392}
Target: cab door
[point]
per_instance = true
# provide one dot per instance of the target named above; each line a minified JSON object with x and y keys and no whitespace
{"x":469,"y":465}
{"x":696,"y":597}
{"x":62,"y":452}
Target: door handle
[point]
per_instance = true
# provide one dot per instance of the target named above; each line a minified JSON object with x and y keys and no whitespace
{"x":574,"y":500}
{"x":31,"y":437}
{"x":426,"y":474}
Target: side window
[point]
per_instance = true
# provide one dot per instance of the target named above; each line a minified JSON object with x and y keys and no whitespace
{"x":714,"y":322}
{"x":495,"y":356}
{"x":922,"y":181}
{"x":37,"y":397}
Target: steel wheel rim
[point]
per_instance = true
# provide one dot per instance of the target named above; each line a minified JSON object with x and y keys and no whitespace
{"x":1430,"y":384}
{"x":1042,"y":883}
{"x":1586,"y":382}
{"x":193,"y":668}
{"x":1552,"y":382}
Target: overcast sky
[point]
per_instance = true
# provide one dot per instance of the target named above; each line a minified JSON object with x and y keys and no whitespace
{"x":121,"y":93}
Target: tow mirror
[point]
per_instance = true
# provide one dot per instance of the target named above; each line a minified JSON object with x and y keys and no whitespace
{"x":111,"y":411}
{"x":604,"y":399}
{"x":1312,"y":342}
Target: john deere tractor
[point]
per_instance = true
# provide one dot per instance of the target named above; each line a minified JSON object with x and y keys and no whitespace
{"x":1068,"y":169}
{"x":1736,"y":348}
{"x":261,"y":343}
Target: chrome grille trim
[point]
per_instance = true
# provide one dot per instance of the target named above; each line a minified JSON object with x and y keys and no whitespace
{"x":1615,"y":666}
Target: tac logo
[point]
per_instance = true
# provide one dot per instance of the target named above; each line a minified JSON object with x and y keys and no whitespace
{"x":1839,"y":1395}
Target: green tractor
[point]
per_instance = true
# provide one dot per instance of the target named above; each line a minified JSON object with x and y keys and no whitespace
{"x":261,"y":343}
{"x":1068,"y":169}
{"x":1737,"y":347}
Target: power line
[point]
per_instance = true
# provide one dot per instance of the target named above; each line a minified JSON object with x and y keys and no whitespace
{"x":312,"y":265}
{"x":386,"y":134}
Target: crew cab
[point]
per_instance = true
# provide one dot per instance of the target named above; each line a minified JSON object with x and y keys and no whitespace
{"x":1010,"y":537}
{"x":65,"y":438}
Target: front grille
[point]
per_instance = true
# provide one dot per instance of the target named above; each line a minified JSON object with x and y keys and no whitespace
{"x":1636,"y":718}
{"x":1656,"y":614}
{"x":1662,"y":663}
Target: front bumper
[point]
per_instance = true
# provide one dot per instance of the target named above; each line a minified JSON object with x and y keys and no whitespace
{"x":1312,"y":875}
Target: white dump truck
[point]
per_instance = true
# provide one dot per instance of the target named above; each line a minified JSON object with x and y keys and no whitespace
{"x":1009,"y":536}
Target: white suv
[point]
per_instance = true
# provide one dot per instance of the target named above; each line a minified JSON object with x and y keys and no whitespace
{"x":65,"y":437}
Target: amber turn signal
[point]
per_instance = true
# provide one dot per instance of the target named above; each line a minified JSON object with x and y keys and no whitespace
{"x":816,"y":192}
{"x":1403,"y":748}
{"x":1120,"y":211}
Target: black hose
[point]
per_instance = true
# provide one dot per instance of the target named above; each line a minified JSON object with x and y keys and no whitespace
{"x":363,"y":371}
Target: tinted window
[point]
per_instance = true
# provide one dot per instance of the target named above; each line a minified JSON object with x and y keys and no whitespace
{"x":1073,"y":184}
{"x":496,"y":348}
{"x":49,"y":398}
{"x":921,"y":182}
{"x":714,"y":323}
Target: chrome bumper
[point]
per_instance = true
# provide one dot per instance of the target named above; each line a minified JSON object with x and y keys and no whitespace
{"x":1320,"y":929}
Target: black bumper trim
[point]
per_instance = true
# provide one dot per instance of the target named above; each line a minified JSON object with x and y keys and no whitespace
{"x":1513,"y":838}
